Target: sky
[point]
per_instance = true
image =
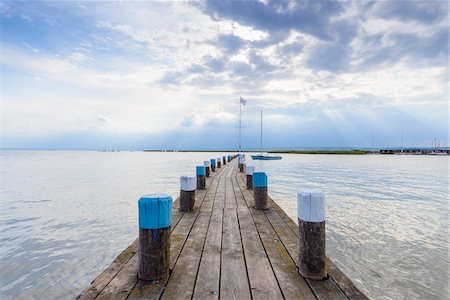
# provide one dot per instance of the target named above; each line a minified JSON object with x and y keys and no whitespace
{"x":168,"y":75}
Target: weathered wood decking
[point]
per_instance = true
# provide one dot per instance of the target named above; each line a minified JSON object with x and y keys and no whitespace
{"x":227,"y":249}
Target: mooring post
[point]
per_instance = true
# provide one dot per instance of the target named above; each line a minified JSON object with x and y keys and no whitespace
{"x":187,"y":192}
{"x":249,"y":171}
{"x":201,"y":177}
{"x":219,"y":162}
{"x":260,"y":187}
{"x":213,"y":165}
{"x":224,"y":159}
{"x":155,"y":218}
{"x":207,"y":165}
{"x":241,"y":162}
{"x":311,"y":226}
{"x":229,"y":158}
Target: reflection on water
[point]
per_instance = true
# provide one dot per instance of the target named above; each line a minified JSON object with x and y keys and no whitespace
{"x":67,"y":215}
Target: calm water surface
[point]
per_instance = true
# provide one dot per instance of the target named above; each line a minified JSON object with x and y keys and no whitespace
{"x":66,"y":215}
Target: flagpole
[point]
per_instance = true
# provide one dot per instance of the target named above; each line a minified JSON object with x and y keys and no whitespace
{"x":240,"y":104}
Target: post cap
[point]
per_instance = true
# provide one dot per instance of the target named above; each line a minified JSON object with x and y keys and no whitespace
{"x":201,"y":170}
{"x":207,"y":163}
{"x":311,"y":206}
{"x":188,"y":183}
{"x":259,"y":179}
{"x":155,"y":211}
{"x":213,"y":161}
{"x":249,"y":170}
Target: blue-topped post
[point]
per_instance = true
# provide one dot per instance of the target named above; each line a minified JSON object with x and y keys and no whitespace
{"x":207,"y":165}
{"x":187,"y":192}
{"x":260,"y":187}
{"x":155,"y":218}
{"x":219,"y":162}
{"x":229,"y":158}
{"x":213,"y":164}
{"x":224,"y":159}
{"x":201,"y":177}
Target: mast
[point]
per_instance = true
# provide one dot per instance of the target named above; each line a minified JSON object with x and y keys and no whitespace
{"x":261,"y":134}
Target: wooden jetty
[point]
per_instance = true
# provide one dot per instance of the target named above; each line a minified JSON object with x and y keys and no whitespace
{"x":224,"y":248}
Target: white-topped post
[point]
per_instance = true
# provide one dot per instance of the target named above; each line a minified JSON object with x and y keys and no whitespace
{"x":219,"y":162}
{"x":311,"y":225}
{"x":207,"y":165}
{"x":187,"y":192}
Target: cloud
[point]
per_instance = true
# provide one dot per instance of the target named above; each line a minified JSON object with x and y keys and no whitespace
{"x":311,"y":17}
{"x":229,"y":43}
{"x":172,"y":72}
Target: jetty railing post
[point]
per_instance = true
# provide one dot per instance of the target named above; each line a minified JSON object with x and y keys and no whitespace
{"x":213,"y":165}
{"x":224,"y":159}
{"x":219,"y":162}
{"x":201,"y":177}
{"x":187,"y":192}
{"x":249,"y":171}
{"x":207,"y":165}
{"x":155,"y":218}
{"x":260,"y":187}
{"x":311,"y":226}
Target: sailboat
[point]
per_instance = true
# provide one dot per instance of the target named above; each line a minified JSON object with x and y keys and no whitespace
{"x":261,"y":156}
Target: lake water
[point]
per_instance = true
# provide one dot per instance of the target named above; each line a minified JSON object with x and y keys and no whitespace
{"x":66,"y":215}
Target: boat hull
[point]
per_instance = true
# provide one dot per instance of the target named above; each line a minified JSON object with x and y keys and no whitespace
{"x":265,"y":157}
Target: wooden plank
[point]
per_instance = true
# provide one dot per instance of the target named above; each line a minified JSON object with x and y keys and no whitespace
{"x":346,"y":285}
{"x":207,"y":283}
{"x":122,"y":284}
{"x":208,"y":277}
{"x":99,"y":283}
{"x":234,"y":283}
{"x":263,"y":282}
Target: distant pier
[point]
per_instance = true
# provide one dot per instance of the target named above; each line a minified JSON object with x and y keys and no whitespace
{"x":225,"y":248}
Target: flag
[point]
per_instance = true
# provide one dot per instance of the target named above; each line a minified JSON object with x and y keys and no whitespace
{"x":243,"y":101}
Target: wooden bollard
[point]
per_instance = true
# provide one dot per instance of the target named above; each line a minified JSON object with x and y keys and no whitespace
{"x":207,"y":165}
{"x":213,"y":165}
{"x":201,"y":177}
{"x":187,"y":193}
{"x":229,"y":158}
{"x":224,"y":159}
{"x":249,"y":171}
{"x":241,"y":163}
{"x":219,"y":163}
{"x":155,"y":218}
{"x":311,"y":226}
{"x":260,"y":187}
